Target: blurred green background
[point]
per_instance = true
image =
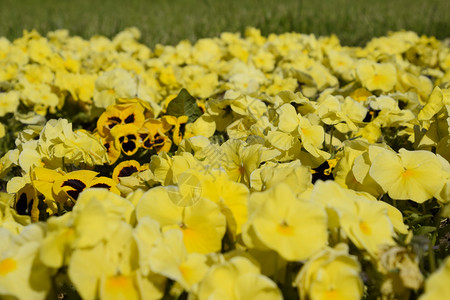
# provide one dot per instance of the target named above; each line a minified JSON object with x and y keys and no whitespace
{"x":169,"y":21}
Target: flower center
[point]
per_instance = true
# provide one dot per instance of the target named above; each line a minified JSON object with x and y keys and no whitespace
{"x":241,"y":170}
{"x":185,"y":270}
{"x":284,"y":229}
{"x":331,"y":294}
{"x":407,"y":173}
{"x":120,"y":284}
{"x":378,"y":79}
{"x":7,"y":266}
{"x":365,"y":228}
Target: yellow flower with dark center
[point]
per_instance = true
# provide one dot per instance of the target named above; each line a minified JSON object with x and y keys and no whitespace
{"x":72,"y":184}
{"x":120,"y":114}
{"x":176,"y":122}
{"x":148,"y":109}
{"x":153,"y":136}
{"x":104,"y":182}
{"x":26,"y":202}
{"x":125,"y":169}
{"x":126,"y":138}
{"x":42,"y":180}
{"x":111,"y":150}
{"x":201,"y":105}
{"x":161,"y":143}
{"x":324,"y":171}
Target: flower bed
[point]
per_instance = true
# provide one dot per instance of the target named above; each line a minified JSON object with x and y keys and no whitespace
{"x":285,"y":166}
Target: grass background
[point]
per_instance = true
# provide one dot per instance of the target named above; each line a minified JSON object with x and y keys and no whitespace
{"x":169,"y":21}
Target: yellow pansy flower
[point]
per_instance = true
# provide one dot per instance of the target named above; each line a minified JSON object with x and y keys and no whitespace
{"x":9,"y":218}
{"x":55,"y":248}
{"x":281,"y":221}
{"x":58,"y":141}
{"x":342,"y":63}
{"x":400,"y":267}
{"x":334,"y":110}
{"x":376,"y":76}
{"x":119,"y":287}
{"x":162,"y":166}
{"x":126,"y":138}
{"x":80,"y":86}
{"x":437,"y":100}
{"x":170,"y":258}
{"x":104,"y":183}
{"x":199,"y":81}
{"x":26,"y":202}
{"x":177,"y":136}
{"x":72,"y":184}
{"x":409,"y":175}
{"x":120,"y":114}
{"x":146,"y":233}
{"x":270,"y":174}
{"x":360,"y":94}
{"x":114,"y":84}
{"x":43,"y":180}
{"x":229,"y":195}
{"x":240,"y":159}
{"x":9,"y":102}
{"x":202,"y":224}
{"x":111,"y":151}
{"x":367,"y":222}
{"x":98,"y":214}
{"x":352,"y":169}
{"x":436,"y":286}
{"x":237,"y":278}
{"x":203,"y":126}
{"x":35,"y":74}
{"x":125,"y":168}
{"x":370,"y":228}
{"x":40,"y":97}
{"x":22,"y":274}
{"x":153,"y":135}
{"x":330,"y":274}
{"x":115,"y":273}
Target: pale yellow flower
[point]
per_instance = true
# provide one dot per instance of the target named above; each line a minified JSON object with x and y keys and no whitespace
{"x":436,"y":286}
{"x":237,"y":279}
{"x":330,"y":274}
{"x":202,"y":224}
{"x":376,"y":76}
{"x":410,"y":175}
{"x":281,"y":222}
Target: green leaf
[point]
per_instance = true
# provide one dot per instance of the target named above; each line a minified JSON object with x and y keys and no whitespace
{"x":184,"y":105}
{"x":417,"y":219}
{"x":425,"y":230}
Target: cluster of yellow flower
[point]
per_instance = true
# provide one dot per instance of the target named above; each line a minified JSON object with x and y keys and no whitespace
{"x":232,"y":168}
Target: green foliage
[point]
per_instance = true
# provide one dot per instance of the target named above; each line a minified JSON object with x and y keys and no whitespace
{"x":168,"y":22}
{"x":184,"y":105}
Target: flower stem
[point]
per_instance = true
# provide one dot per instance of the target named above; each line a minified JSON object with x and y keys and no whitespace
{"x":431,"y":254}
{"x":63,"y":165}
{"x":331,"y":148}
